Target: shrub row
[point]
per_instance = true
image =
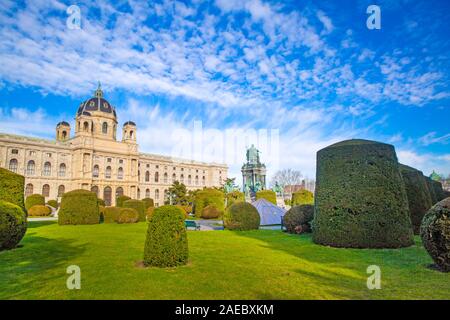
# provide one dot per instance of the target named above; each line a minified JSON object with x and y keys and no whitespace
{"x":34,"y":200}
{"x":39,"y":211}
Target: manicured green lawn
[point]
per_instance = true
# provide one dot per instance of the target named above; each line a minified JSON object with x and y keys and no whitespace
{"x":261,"y":264}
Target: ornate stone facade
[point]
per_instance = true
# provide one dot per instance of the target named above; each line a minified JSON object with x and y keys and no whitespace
{"x":94,"y":160}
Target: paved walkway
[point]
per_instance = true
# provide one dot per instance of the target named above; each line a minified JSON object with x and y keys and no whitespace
{"x":43,"y":219}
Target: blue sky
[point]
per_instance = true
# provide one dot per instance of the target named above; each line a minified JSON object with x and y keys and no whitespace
{"x":310,"y":73}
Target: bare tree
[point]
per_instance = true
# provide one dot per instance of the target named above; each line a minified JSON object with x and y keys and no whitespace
{"x":287,"y":178}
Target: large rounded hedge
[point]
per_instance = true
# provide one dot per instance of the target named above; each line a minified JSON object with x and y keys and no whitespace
{"x":241,"y":216}
{"x":435,"y":233}
{"x":206,"y":197}
{"x":39,"y":211}
{"x":12,"y":188}
{"x":431,"y":190}
{"x":127,"y":215}
{"x":110,"y":214}
{"x":34,"y":200}
{"x":360,"y":199}
{"x":419,"y":198}
{"x":234,"y":196}
{"x":138,"y":205}
{"x":269,"y":195}
{"x":79,"y":207}
{"x":437,"y":186}
{"x":302,"y":197}
{"x":148,"y":202}
{"x":120,"y":200}
{"x":13,"y":225}
{"x":166,"y":244}
{"x":297,"y":219}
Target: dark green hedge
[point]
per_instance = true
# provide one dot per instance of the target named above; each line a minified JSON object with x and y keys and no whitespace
{"x":298,"y":219}
{"x":431,"y":190}
{"x":39,"y":211}
{"x":34,"y":200}
{"x":53,"y":203}
{"x":13,"y":225}
{"x":234,"y":196}
{"x":12,"y":188}
{"x":79,"y":207}
{"x":437,"y":186}
{"x":241,"y":216}
{"x":435,"y":233}
{"x":120,"y":200}
{"x":208,"y":197}
{"x":269,"y":195}
{"x":148,"y":202}
{"x":127,"y":215}
{"x":360,"y":199}
{"x":166,"y":244}
{"x":101,"y":202}
{"x":138,"y":205}
{"x":302,"y":197}
{"x":110,"y":214}
{"x":419,"y":198}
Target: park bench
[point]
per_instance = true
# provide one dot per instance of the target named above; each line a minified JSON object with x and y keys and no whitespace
{"x":192,"y":224}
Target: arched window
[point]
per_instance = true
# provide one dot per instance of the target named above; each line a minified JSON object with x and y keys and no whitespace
{"x":156,"y":177}
{"x":95,"y":190}
{"x":62,"y":170}
{"x":196,"y":180}
{"x":86,"y":126}
{"x":107,"y":195}
{"x":28,"y":190}
{"x":131,"y":134}
{"x":182,"y":178}
{"x":165,"y":177}
{"x":95,"y":171}
{"x":47,"y":169}
{"x":156,"y":193}
{"x":147,"y":193}
{"x":119,"y":192}
{"x":174,"y":178}
{"x":30,"y":168}
{"x":120,"y":173}
{"x":189,"y":180}
{"x":139,"y":194}
{"x":203,"y":180}
{"x":105,"y":128}
{"x":64,"y":135}
{"x":108,"y":172}
{"x":139,"y":175}
{"x":61,"y":190}
{"x":45,"y":190}
{"x":13,"y":165}
{"x":147,"y":176}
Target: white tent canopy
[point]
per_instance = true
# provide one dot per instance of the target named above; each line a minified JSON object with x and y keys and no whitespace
{"x":269,"y":213}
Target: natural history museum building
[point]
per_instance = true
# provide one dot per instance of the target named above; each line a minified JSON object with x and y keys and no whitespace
{"x":94,"y":160}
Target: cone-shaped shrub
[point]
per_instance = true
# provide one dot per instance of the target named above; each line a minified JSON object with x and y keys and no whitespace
{"x":298,"y":216}
{"x":110,"y":214}
{"x":360,"y":199}
{"x":435,"y":233}
{"x":39,"y":211}
{"x":302,"y":197}
{"x":241,"y":216}
{"x":79,"y":207}
{"x":34,"y":200}
{"x":166,"y":244}
{"x":12,"y":186}
{"x":206,"y":197}
{"x":138,"y":205}
{"x":148,"y":202}
{"x":431,"y":190}
{"x":127,"y":215}
{"x":13,"y":225}
{"x":269,"y":195}
{"x":419,"y":198}
{"x":120,"y":200}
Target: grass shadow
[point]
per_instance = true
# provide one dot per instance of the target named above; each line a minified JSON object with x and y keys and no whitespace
{"x":36,"y":224}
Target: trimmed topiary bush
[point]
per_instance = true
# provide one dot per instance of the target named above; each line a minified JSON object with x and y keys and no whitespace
{"x":431,"y":190}
{"x":166,"y":244}
{"x":127,"y":215}
{"x":210,"y":212}
{"x":110,"y":214}
{"x":33,"y":200}
{"x":241,"y":216}
{"x":302,"y":197}
{"x":206,"y":197}
{"x":13,"y":225}
{"x":53,"y":203}
{"x":39,"y":211}
{"x":437,"y":186}
{"x":299,"y":216}
{"x":120,"y":200}
{"x":435,"y":233}
{"x":234,"y":196}
{"x":269,"y":195}
{"x":101,"y":210}
{"x":149,"y":212}
{"x":101,"y":202}
{"x":148,"y":202}
{"x":419,"y":198}
{"x":12,"y":187}
{"x":138,"y":205}
{"x":360,"y":197}
{"x":79,"y":207}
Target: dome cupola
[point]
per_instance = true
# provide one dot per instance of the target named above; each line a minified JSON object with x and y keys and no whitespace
{"x":96,"y":104}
